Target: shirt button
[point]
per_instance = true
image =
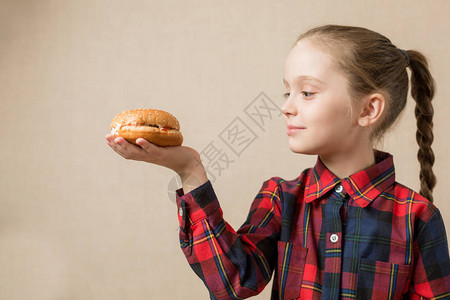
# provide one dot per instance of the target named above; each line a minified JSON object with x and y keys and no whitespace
{"x":180,"y":212}
{"x":339,"y":188}
{"x":334,"y":238}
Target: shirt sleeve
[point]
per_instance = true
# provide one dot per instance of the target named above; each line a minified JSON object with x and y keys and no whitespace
{"x":431,"y":270}
{"x":232,"y":264}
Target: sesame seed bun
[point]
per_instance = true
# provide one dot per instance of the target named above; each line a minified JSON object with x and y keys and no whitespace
{"x":156,"y":126}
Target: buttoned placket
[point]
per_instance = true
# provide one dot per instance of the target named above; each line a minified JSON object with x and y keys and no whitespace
{"x":333,"y":244}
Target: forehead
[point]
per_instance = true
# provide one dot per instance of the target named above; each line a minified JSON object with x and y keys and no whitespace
{"x":306,"y":59}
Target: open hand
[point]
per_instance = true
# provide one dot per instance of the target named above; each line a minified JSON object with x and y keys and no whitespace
{"x":181,"y":159}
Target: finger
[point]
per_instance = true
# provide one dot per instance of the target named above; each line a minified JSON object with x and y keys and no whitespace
{"x":122,"y":145}
{"x":146,"y":145}
{"x":109,"y":138}
{"x":110,"y":141}
{"x":126,"y":146}
{"x":117,"y":148}
{"x":129,"y":150}
{"x":119,"y":145}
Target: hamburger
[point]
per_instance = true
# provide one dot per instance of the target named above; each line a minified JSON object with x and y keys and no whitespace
{"x":156,"y":126}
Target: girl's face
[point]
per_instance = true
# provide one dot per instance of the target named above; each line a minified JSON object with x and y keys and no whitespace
{"x":318,"y":102}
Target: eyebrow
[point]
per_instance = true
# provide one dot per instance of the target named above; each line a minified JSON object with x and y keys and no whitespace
{"x":305,"y":78}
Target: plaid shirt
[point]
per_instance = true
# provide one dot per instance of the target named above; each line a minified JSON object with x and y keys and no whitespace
{"x":365,"y":236}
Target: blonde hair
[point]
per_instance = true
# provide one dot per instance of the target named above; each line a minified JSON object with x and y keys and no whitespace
{"x":373,"y":64}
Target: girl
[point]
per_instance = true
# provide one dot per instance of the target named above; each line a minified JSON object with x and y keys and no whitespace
{"x":344,"y":229}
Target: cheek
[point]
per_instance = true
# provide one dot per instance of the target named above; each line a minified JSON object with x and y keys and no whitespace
{"x":318,"y":114}
{"x":327,"y":120}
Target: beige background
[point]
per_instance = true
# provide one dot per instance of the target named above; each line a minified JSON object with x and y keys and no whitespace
{"x":79,"y":222}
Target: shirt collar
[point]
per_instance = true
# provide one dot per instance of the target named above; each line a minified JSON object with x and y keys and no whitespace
{"x":363,"y":186}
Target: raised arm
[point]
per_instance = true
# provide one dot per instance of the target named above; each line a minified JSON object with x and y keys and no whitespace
{"x":232,"y":264}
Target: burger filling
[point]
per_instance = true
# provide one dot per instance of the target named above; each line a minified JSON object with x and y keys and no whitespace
{"x":162,"y":128}
{"x":118,"y":127}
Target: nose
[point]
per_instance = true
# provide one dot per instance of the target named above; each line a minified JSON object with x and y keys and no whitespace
{"x":288,"y":108}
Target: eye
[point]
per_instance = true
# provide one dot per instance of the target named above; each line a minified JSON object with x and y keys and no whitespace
{"x":307,"y":94}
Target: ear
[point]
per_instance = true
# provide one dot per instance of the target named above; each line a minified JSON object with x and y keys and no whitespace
{"x":372,"y":109}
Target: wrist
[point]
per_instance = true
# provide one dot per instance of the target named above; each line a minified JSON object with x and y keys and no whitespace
{"x":193,"y":177}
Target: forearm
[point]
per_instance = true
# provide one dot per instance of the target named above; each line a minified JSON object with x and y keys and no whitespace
{"x":231,"y":264}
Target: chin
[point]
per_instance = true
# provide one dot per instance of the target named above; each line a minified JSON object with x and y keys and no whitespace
{"x":301,"y":148}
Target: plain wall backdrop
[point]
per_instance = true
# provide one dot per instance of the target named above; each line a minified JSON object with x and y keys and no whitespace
{"x":79,"y":222}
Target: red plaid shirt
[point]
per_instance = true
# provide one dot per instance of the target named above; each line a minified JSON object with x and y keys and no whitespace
{"x":365,"y":236}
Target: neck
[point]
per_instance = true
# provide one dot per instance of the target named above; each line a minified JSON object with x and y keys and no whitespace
{"x":345,"y":163}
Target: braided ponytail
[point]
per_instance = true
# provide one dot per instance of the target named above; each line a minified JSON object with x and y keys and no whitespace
{"x":422,"y":90}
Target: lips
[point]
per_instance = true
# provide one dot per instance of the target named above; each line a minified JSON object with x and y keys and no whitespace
{"x":295,"y":127}
{"x":292,"y":129}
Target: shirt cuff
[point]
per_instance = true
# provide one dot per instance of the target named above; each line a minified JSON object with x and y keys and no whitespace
{"x":196,"y":205}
